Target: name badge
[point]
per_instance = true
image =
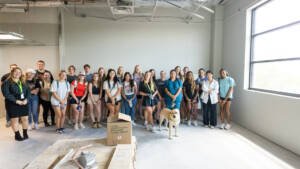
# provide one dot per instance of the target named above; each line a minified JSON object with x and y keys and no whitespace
{"x":22,"y":96}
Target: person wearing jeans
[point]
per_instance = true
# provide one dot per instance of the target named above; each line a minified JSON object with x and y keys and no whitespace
{"x":129,"y":92}
{"x":33,"y":101}
{"x":210,"y":92}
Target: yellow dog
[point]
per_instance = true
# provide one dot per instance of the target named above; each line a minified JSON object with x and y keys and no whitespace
{"x":171,"y":116}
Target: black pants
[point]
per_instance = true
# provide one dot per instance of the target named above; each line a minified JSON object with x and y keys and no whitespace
{"x":46,"y":107}
{"x":210,"y":113}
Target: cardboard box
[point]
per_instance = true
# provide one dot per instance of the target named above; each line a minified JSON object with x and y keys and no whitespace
{"x":119,"y":130}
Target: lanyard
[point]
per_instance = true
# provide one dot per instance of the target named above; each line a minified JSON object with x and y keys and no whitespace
{"x":147,"y":85}
{"x":20,"y":86}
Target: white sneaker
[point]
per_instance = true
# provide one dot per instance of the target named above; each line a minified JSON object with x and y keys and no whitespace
{"x":153,"y":128}
{"x":36,"y":126}
{"x":148,"y":127}
{"x":228,"y":126}
{"x":212,"y":127}
{"x":222,"y":126}
{"x":81,"y":126}
{"x":133,"y":123}
{"x":189,"y":123}
{"x":29,"y":127}
{"x":76,"y":127}
{"x":195,"y":123}
{"x":206,"y":126}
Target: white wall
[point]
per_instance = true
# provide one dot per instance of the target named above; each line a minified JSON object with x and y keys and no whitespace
{"x":272,"y":116}
{"x":40,"y":24}
{"x":159,"y":45}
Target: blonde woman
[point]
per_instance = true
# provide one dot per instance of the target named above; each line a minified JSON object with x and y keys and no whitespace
{"x":138,"y":78}
{"x":17,"y":94}
{"x":60,"y":92}
{"x":33,"y":102}
{"x":94,"y":100}
{"x":103,"y":109}
{"x":120,"y":73}
{"x":148,"y":90}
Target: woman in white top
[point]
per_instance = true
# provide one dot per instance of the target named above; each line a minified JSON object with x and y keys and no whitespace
{"x":209,"y":97}
{"x":112,"y":89}
{"x":60,"y":92}
{"x":129,"y":95}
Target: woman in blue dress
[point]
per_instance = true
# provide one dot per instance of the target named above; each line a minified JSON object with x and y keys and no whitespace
{"x":173,"y":91}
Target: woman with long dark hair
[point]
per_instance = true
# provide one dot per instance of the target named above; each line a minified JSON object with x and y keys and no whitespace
{"x":129,"y":96}
{"x":112,"y":89}
{"x":45,"y":96}
{"x":190,"y":92}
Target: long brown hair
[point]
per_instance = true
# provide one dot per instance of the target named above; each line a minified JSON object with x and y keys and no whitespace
{"x":150,"y":83}
{"x":98,"y":82}
{"x":191,"y":80}
{"x":22,"y":77}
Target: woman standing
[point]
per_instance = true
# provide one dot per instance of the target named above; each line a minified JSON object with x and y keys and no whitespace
{"x":148,"y":91}
{"x":138,"y":78}
{"x":129,"y":96}
{"x":71,"y":76}
{"x":94,"y":100}
{"x":226,"y":95}
{"x":158,"y":98}
{"x":78,"y":93}
{"x":45,"y":97}
{"x":112,"y":92}
{"x":120,"y":74}
{"x":103,"y":109}
{"x":173,"y":91}
{"x":210,"y":92}
{"x":190,"y":92}
{"x":60,"y":92}
{"x":33,"y":102}
{"x":17,"y":94}
{"x":201,"y":78}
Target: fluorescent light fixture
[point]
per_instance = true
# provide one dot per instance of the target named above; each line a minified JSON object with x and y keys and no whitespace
{"x":13,"y":10}
{"x":11,"y":36}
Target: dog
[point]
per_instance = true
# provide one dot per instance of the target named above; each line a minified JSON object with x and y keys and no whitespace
{"x":172,"y":117}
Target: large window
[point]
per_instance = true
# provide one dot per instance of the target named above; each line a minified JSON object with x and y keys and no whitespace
{"x":275,"y":47}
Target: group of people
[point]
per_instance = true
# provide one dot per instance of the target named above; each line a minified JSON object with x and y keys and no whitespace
{"x":101,"y":94}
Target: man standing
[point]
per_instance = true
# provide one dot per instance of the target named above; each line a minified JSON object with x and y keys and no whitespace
{"x":87,"y":72}
{"x":41,"y":70}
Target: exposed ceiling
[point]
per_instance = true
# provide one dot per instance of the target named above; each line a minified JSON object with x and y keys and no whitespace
{"x":117,"y":8}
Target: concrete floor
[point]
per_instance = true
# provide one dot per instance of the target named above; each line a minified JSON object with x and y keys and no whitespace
{"x":196,"y":148}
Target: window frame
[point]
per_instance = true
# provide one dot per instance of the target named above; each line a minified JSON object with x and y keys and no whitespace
{"x":252,"y":62}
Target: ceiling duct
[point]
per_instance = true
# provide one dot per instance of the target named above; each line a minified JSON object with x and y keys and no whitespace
{"x":121,"y":7}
